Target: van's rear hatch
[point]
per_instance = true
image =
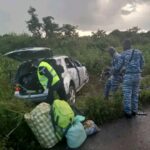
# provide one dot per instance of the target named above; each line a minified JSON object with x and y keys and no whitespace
{"x":30,"y":53}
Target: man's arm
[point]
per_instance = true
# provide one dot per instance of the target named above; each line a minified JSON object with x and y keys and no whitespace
{"x":119,"y":64}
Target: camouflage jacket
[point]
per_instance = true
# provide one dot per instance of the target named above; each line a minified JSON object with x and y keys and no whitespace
{"x":131,"y":60}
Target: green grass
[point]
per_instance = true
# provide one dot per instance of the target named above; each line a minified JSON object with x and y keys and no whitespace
{"x":90,"y":98}
{"x":90,"y":102}
{"x":100,"y":110}
{"x":95,"y":107}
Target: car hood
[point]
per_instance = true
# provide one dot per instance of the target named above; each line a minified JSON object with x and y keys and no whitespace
{"x":30,"y":53}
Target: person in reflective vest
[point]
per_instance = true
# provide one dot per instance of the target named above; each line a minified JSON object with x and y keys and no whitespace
{"x":50,"y":81}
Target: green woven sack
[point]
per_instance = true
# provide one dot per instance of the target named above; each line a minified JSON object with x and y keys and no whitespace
{"x":62,"y":113}
{"x":41,"y":125}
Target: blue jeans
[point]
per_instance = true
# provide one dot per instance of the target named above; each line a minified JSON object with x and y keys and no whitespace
{"x":131,"y":84}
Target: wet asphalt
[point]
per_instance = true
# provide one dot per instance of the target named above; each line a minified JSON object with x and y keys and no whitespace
{"x":122,"y":134}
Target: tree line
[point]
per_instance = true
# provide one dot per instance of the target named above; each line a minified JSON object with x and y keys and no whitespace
{"x":49,"y":27}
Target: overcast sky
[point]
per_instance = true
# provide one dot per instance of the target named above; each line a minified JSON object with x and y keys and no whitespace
{"x":88,"y":15}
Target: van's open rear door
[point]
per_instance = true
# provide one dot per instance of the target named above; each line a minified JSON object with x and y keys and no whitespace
{"x":30,"y":53}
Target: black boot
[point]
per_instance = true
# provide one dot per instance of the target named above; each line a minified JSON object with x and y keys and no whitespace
{"x":134,"y":113}
{"x":127,"y":115}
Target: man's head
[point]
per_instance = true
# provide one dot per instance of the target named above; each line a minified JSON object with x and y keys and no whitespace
{"x":111,"y":51}
{"x":126,"y":44}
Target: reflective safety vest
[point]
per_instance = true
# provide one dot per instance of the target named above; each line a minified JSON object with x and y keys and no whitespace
{"x":44,"y":80}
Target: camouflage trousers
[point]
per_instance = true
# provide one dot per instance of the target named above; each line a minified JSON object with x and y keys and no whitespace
{"x":131,"y":84}
{"x":112,"y":84}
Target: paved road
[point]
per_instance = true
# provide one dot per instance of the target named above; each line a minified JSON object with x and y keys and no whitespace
{"x":123,"y":134}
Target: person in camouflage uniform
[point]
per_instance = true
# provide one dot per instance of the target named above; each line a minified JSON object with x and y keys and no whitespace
{"x":115,"y":78}
{"x":132,"y":60}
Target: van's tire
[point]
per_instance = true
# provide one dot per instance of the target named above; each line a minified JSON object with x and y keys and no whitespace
{"x":72,"y":96}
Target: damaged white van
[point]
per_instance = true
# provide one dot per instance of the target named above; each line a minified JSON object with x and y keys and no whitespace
{"x":27,"y":85}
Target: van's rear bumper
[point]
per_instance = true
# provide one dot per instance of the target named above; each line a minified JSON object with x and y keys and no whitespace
{"x":31,"y":97}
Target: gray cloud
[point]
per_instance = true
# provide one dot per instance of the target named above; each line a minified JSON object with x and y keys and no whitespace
{"x":128,"y":9}
{"x":87,"y":14}
{"x":90,"y":15}
{"x":132,"y":4}
{"x":4,"y":20}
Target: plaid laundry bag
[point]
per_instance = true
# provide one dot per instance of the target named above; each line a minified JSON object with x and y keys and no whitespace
{"x":39,"y":120}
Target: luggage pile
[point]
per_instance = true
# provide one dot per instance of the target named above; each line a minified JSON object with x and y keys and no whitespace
{"x":51,"y":123}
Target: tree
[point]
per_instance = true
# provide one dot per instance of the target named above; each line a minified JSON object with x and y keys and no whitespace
{"x":99,"y":34}
{"x":69,"y":30}
{"x":49,"y":26}
{"x":134,"y":29}
{"x":116,"y":33}
{"x":34,"y":26}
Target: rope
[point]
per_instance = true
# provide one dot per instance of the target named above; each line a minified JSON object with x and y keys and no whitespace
{"x":18,"y":124}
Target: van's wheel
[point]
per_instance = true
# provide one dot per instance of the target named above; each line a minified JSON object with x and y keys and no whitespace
{"x":72,"y":97}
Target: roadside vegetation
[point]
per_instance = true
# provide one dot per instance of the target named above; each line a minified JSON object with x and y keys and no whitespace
{"x":90,"y":50}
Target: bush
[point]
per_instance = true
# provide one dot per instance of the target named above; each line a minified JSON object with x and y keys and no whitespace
{"x":14,"y":132}
{"x":100,"y":110}
{"x":7,"y":67}
{"x":145,"y":96}
{"x":145,"y":82}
